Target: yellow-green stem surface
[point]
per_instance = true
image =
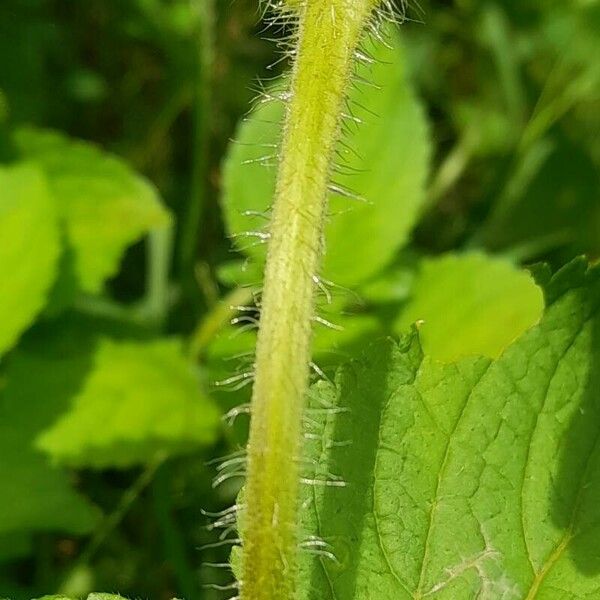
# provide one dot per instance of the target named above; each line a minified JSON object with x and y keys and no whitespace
{"x":329,"y":32}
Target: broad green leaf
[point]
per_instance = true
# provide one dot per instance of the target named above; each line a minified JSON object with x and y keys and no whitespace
{"x":470,"y":304}
{"x":138,"y":400}
{"x":29,"y":249}
{"x":477,"y":479}
{"x":387,"y":166}
{"x":105,"y":205}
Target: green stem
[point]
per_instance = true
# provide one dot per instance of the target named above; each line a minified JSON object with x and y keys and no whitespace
{"x":174,"y":547}
{"x":160,"y":244}
{"x":451,"y":169}
{"x":112,"y":521}
{"x":204,"y":10}
{"x":152,"y":311}
{"x":329,"y":31}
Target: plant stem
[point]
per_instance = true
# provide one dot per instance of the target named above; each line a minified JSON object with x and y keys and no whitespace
{"x":329,"y":31}
{"x":112,"y":520}
{"x":160,"y":244}
{"x":204,"y":12}
{"x":174,"y":547}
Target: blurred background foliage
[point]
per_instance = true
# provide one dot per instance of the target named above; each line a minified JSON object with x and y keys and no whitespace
{"x":119,"y":188}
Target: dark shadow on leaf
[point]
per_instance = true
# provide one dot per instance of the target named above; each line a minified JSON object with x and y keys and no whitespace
{"x":45,"y":373}
{"x":363,"y":389}
{"x":575,"y":501}
{"x":48,"y":369}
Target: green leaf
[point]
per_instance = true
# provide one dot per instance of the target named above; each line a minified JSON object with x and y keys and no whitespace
{"x":470,"y":304}
{"x":477,"y":479}
{"x":139,"y":400}
{"x":104,"y":204}
{"x":92,"y":400}
{"x":29,"y":249}
{"x":387,"y":166}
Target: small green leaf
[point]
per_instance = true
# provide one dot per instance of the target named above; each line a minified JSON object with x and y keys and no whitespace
{"x":469,"y":305}
{"x":477,"y":479}
{"x":140,"y":399}
{"x":386,"y":164}
{"x":104,"y":204}
{"x":29,"y":249}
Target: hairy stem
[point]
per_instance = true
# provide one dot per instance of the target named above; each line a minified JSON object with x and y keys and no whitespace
{"x":329,"y":31}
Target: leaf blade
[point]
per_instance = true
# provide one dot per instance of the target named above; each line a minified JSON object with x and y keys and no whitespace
{"x":470,"y":304}
{"x":465,"y":496}
{"x":29,"y":251}
{"x":104,"y":205}
{"x":148,"y":401}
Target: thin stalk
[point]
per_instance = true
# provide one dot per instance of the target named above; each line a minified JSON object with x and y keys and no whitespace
{"x":159,"y":248}
{"x":174,"y":547}
{"x":329,"y":31}
{"x":111,"y":522}
{"x":152,"y":310}
{"x":205,"y":14}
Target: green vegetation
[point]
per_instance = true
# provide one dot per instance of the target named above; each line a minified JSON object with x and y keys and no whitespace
{"x":407,"y":223}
